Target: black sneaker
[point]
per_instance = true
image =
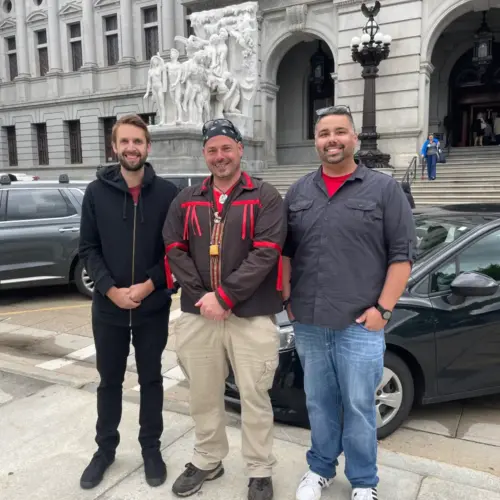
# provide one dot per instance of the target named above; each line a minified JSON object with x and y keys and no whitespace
{"x":155,"y":469}
{"x":260,"y":488}
{"x":192,"y":479}
{"x":95,"y":470}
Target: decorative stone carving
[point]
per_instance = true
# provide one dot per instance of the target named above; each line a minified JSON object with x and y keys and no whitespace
{"x":8,"y":24}
{"x":36,"y":16}
{"x":71,"y":8}
{"x":220,"y":76}
{"x":157,"y":84}
{"x":296,"y":16}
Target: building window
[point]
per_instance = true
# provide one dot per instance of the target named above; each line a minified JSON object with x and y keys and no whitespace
{"x":42,"y":145}
{"x":75,"y":141}
{"x":111,"y":34}
{"x":148,"y":118}
{"x":108,"y":123}
{"x":11,"y":145}
{"x":151,"y":31}
{"x":75,"y":42}
{"x":189,"y":27}
{"x":43,"y":54}
{"x":12,"y":56}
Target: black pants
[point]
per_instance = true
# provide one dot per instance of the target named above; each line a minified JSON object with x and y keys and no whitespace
{"x":112,"y":348}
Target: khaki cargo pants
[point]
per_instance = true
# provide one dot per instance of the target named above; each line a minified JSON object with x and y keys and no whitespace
{"x":204,"y":349}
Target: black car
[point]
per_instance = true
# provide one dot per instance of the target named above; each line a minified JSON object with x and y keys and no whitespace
{"x":443,"y":341}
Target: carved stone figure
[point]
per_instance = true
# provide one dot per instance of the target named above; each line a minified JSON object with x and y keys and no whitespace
{"x":157,"y":85}
{"x":174,"y":72}
{"x":195,"y":78}
{"x":220,"y":74}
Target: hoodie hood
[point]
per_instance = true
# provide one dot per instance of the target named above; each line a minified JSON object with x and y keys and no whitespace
{"x":112,"y":175}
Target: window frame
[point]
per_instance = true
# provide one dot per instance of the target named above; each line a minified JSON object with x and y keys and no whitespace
{"x":456,"y":258}
{"x":71,"y":209}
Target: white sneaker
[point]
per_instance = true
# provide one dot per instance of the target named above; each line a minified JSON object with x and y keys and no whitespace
{"x":311,"y":485}
{"x":364,"y":494}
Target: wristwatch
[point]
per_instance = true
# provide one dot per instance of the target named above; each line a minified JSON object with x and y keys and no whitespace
{"x":386,"y":314}
{"x":286,"y":303}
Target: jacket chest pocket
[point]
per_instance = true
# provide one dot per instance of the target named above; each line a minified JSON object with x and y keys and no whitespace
{"x":299,"y":214}
{"x":364,"y":211}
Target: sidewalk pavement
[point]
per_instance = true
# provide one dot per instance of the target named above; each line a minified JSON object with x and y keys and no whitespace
{"x":47,"y":440}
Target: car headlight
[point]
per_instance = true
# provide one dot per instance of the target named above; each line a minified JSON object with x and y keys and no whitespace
{"x":287,"y":337}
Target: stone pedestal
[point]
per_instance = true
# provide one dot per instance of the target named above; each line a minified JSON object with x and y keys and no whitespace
{"x":178,"y":149}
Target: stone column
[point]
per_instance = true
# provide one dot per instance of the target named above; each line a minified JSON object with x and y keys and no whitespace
{"x":22,"y":52}
{"x":180,"y":23}
{"x":56,"y":143}
{"x":88,"y":33}
{"x":126,"y":31}
{"x":426,"y":69}
{"x":54,"y":41}
{"x":89,"y":68}
{"x":27,"y":154}
{"x":269,"y":97}
{"x":127,"y":60}
{"x":167,"y":24}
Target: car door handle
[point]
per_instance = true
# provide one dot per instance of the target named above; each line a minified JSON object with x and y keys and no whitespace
{"x":69,"y":229}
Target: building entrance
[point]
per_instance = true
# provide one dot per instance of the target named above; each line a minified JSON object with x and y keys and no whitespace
{"x":474,"y":95}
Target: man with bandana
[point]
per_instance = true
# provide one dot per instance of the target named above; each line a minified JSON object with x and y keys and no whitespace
{"x":121,"y":247}
{"x":223,"y":243}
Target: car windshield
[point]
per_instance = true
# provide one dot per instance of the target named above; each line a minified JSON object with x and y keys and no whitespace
{"x":434,"y":233}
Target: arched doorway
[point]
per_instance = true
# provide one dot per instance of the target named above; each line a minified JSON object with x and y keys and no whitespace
{"x":471,"y":94}
{"x":305,"y":85}
{"x":459,"y":89}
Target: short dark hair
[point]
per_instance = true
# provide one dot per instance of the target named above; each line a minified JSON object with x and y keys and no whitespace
{"x":134,"y":120}
{"x":339,"y":110}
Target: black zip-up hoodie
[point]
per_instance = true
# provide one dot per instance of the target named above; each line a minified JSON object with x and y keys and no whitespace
{"x":121,"y":243}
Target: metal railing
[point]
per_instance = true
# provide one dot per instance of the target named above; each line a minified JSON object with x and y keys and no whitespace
{"x":412,"y":170}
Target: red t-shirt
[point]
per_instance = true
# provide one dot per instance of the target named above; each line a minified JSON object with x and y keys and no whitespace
{"x":217,"y":195}
{"x":135,"y":191}
{"x":333,"y":183}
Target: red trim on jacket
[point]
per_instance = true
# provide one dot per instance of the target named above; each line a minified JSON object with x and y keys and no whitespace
{"x":248,"y":205}
{"x":225,"y":298}
{"x":168,"y":271}
{"x":191,"y":211}
{"x":275,"y":246}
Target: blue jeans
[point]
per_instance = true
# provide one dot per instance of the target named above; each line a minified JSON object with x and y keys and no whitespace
{"x":431,"y":166}
{"x":342,"y":369}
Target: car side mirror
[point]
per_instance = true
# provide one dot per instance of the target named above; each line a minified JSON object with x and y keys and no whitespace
{"x":473,"y":284}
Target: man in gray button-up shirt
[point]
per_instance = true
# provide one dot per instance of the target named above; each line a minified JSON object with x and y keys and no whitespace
{"x":348,"y":258}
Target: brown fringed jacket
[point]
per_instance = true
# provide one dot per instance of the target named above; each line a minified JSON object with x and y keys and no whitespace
{"x":236,"y":253}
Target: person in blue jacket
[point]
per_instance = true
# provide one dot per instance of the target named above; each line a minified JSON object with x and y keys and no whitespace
{"x":430,"y":152}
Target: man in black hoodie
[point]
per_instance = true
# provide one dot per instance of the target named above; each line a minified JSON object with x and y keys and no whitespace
{"x":122,"y":249}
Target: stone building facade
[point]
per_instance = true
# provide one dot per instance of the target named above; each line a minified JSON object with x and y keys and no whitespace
{"x":68,"y":69}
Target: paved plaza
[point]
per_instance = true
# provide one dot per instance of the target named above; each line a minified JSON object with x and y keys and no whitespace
{"x":47,"y":415}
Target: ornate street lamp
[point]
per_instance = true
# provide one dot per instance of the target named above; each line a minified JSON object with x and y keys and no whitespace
{"x":483,"y":46}
{"x":369,"y":51}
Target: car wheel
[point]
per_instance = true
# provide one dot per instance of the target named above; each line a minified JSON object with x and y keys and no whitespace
{"x":82,"y":280}
{"x":394,"y":395}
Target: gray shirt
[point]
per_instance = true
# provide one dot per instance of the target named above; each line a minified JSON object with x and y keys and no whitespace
{"x":342,"y":246}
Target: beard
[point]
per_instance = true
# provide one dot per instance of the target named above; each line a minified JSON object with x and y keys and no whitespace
{"x":132,"y":167}
{"x":332,"y":159}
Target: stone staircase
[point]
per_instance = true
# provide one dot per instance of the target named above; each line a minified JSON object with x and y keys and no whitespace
{"x":469,"y":175}
{"x":283,"y":176}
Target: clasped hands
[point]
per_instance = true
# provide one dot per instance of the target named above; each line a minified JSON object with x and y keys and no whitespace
{"x":211,"y":309}
{"x":131,"y":297}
